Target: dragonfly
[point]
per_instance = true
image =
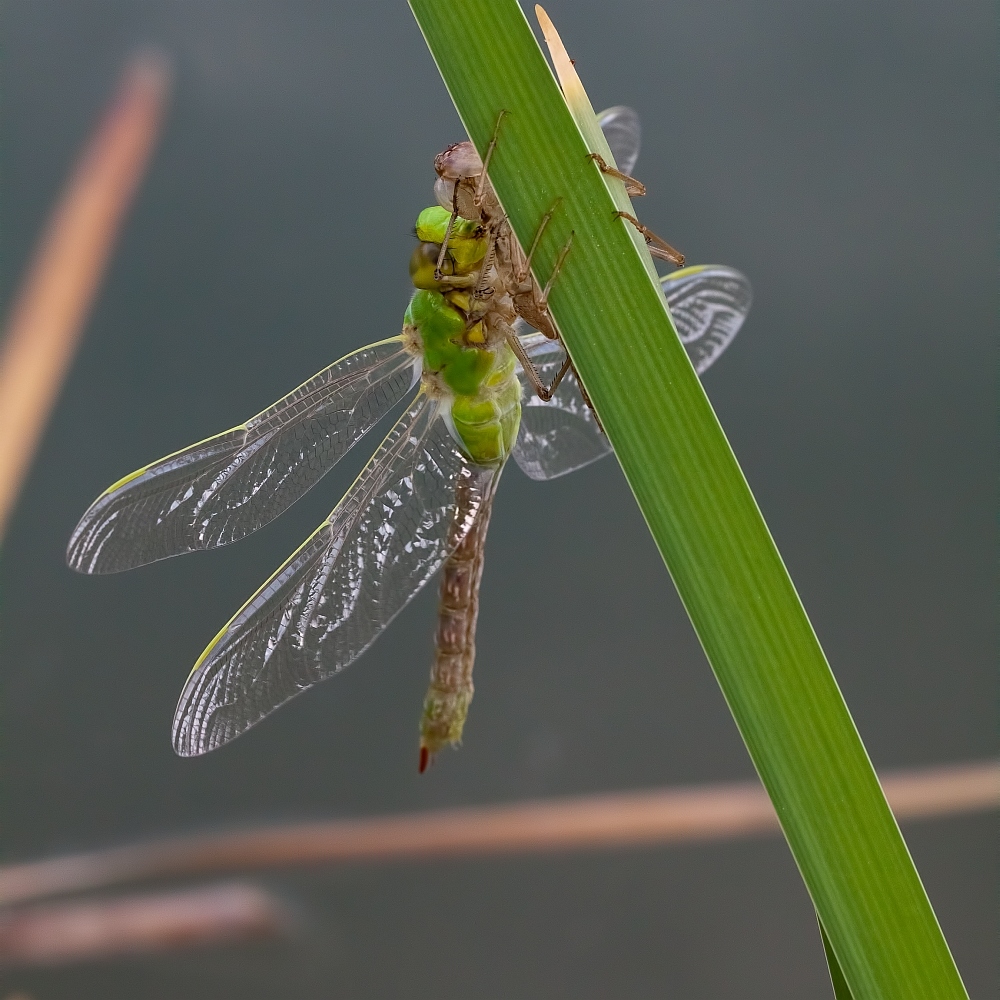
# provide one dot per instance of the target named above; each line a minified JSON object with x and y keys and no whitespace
{"x":422,"y":502}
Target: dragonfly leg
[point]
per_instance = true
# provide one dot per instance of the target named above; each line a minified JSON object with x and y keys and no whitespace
{"x":525,"y":269}
{"x":483,"y":177}
{"x":543,"y":391}
{"x":531,"y":302}
{"x":658,"y":247}
{"x":439,"y":267}
{"x":543,"y":302}
{"x":481,"y":291}
{"x":633,"y":188}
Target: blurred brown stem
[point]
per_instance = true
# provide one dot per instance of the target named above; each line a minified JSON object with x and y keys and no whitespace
{"x":153,"y":922}
{"x":676,"y":815}
{"x":55,"y":296}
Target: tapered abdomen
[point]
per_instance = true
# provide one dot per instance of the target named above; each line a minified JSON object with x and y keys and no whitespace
{"x":450,"y":692}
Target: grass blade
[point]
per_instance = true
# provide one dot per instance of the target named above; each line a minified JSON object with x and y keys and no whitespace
{"x":699,"y":508}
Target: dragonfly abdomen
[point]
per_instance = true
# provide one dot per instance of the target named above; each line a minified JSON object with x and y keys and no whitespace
{"x":487,"y":422}
{"x":449,"y":694}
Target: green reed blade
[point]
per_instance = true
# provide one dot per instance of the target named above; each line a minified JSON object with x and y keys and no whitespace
{"x":699,"y":508}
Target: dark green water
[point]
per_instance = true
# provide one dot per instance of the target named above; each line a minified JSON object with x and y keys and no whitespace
{"x":844,"y":157}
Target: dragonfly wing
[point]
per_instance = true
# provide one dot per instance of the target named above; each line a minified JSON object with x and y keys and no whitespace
{"x":621,"y":128}
{"x":343,"y":586}
{"x":223,"y":488}
{"x":708,"y":304}
{"x":559,"y":436}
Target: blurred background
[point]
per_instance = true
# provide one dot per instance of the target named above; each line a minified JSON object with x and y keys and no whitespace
{"x":843,"y":156}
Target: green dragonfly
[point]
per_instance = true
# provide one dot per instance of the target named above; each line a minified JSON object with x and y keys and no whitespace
{"x":421,"y":502}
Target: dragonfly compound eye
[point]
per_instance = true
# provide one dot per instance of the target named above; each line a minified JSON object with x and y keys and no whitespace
{"x":444,"y":192}
{"x":458,"y":161}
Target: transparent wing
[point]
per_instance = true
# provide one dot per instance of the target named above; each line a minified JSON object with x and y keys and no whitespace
{"x":221,"y":489}
{"x":336,"y":594}
{"x":621,"y":128}
{"x":708,"y":304}
{"x":559,"y":436}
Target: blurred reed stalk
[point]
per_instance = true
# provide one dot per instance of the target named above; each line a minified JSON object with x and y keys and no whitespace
{"x":54,"y":300}
{"x":55,"y":934}
{"x":664,"y":816}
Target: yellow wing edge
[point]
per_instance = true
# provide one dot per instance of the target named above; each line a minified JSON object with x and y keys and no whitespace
{"x":125,"y":480}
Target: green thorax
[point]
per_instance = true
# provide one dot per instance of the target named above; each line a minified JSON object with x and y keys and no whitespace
{"x":464,"y":359}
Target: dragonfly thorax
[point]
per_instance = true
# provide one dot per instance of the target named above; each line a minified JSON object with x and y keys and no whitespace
{"x":466,"y":364}
{"x":460,"y":336}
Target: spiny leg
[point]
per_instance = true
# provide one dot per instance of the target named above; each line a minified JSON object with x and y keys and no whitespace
{"x":439,"y":267}
{"x":544,"y":392}
{"x":543,"y":302}
{"x":481,"y":186}
{"x":480,"y":291}
{"x":529,"y":300}
{"x":546,"y":219}
{"x":633,"y":188}
{"x":658,"y":247}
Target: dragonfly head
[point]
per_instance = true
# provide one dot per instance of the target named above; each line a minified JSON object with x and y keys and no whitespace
{"x":458,"y":166}
{"x":457,"y":162}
